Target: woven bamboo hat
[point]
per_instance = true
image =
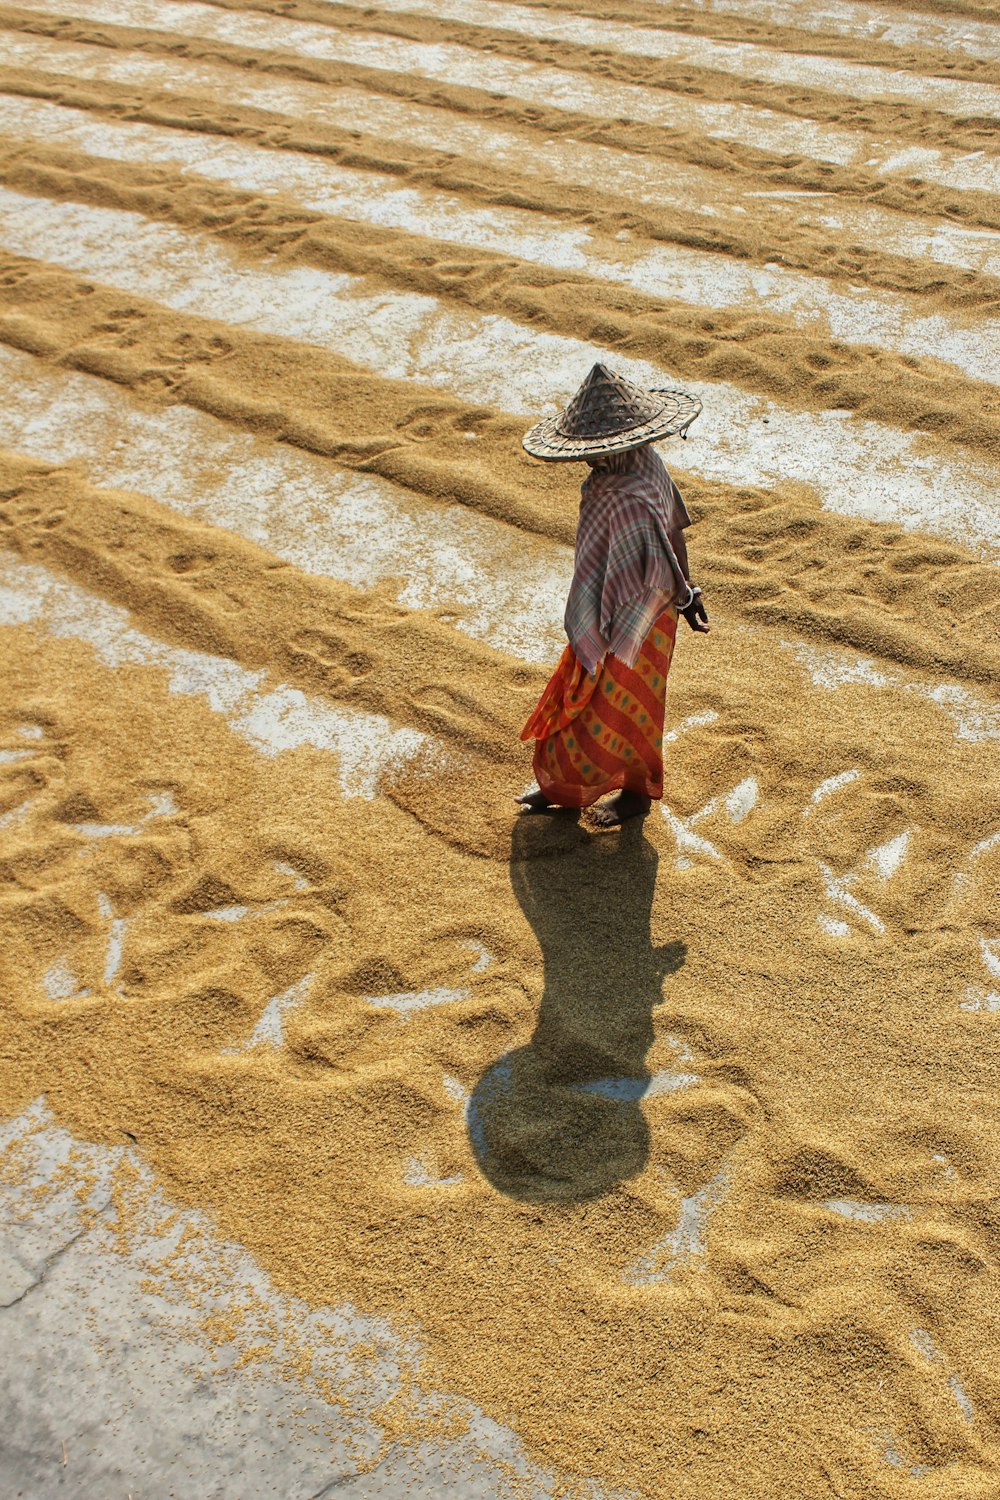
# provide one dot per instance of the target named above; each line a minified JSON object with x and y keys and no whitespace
{"x":609,"y":414}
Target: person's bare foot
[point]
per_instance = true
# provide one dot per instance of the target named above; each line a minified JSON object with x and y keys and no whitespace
{"x":535,"y":802}
{"x":620,"y":809}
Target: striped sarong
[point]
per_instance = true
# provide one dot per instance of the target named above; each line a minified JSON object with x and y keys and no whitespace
{"x":599,"y":732}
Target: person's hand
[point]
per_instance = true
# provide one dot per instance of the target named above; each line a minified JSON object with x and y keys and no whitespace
{"x":697,"y":616}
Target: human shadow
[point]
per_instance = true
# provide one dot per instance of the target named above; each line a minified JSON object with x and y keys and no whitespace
{"x":560,"y":1119}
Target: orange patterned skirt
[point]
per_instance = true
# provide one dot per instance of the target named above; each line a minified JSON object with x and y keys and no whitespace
{"x":601,"y":732}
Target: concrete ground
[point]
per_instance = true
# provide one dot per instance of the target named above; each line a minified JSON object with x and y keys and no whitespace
{"x":146,"y":1359}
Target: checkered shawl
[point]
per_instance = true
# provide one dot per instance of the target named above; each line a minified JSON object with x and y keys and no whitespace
{"x":625,"y":571}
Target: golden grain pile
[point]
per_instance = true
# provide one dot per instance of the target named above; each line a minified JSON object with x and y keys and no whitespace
{"x":677,"y":1145}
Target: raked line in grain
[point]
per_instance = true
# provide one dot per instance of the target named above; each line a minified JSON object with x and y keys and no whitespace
{"x":887,"y":320}
{"x":749,"y":59}
{"x":272,"y":718}
{"x":896,"y":28}
{"x":857,"y":467}
{"x":688,"y":191}
{"x":505,"y":588}
{"x":537,"y":84}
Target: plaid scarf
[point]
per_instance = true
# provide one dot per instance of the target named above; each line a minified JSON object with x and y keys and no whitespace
{"x":625,"y":569}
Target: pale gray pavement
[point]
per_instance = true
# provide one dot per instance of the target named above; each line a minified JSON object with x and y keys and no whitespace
{"x":112,"y":1386}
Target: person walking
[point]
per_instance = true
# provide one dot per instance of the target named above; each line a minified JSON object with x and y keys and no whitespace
{"x":598,"y":726}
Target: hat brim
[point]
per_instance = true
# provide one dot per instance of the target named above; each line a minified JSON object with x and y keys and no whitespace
{"x":678,"y":411}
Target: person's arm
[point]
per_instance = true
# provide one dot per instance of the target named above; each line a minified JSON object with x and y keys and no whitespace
{"x":694,"y":611}
{"x":679,"y":544}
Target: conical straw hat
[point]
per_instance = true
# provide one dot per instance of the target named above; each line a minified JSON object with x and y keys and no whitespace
{"x":609,"y":414}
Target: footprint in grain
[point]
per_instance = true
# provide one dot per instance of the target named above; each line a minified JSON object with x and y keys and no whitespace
{"x":452,"y":712}
{"x":191,"y":349}
{"x":117,"y":326}
{"x":334,"y":656}
{"x":190,"y":562}
{"x":31,"y":763}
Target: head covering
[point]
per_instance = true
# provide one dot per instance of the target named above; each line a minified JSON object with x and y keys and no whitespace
{"x":609,"y":414}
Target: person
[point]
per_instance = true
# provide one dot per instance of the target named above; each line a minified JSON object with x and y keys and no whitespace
{"x":598,"y":726}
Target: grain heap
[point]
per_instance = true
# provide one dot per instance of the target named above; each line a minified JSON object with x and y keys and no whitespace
{"x":278,"y":588}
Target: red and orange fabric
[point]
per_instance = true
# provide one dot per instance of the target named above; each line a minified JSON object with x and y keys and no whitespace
{"x":602,"y":731}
